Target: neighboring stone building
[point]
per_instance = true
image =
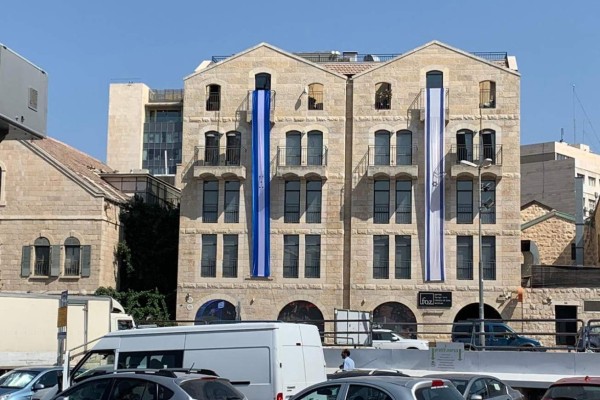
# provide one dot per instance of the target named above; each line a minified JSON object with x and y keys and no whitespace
{"x":59,"y":220}
{"x":548,"y":171}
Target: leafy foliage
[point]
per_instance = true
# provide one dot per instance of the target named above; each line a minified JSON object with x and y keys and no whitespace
{"x":147,"y":305}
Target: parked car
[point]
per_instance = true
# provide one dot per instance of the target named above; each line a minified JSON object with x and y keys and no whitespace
{"x":151,"y":384}
{"x":583,"y":387}
{"x":27,"y":383}
{"x":381,"y":387}
{"x":388,"y":339}
{"x":486,"y":386}
{"x":498,"y":336}
{"x":588,"y":338}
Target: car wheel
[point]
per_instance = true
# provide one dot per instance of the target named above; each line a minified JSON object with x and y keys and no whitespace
{"x":412,"y":348}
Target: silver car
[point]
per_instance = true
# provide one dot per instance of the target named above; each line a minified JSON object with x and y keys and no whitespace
{"x":381,"y":388}
{"x":152,"y":385}
{"x":35,"y":383}
{"x":478,"y":387}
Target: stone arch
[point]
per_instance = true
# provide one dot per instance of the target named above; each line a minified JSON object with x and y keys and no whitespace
{"x":397,"y":317}
{"x":216,"y":310}
{"x":471,"y":311}
{"x":302,"y":311}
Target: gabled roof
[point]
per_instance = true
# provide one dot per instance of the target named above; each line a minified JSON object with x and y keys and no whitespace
{"x":551,"y":214}
{"x":538,"y":203}
{"x":438,"y":43}
{"x":271,"y":47}
{"x":80,"y":167}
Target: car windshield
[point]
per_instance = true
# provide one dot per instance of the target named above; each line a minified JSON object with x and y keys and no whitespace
{"x":17,"y":379}
{"x":205,"y":389}
{"x":587,"y":392}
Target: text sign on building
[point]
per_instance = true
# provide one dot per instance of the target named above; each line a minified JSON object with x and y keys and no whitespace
{"x":435,"y":299}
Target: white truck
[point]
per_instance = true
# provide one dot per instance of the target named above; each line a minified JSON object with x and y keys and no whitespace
{"x":29,"y":325}
{"x":264,"y":360}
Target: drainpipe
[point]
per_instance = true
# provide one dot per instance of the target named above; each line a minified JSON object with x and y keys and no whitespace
{"x":579,"y":220}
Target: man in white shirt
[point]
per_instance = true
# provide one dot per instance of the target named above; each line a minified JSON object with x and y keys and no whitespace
{"x":348,"y":364}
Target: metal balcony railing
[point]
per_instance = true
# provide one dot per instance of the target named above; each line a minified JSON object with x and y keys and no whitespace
{"x":301,"y":156}
{"x":472,"y":153}
{"x":381,"y":269}
{"x":290,"y":269}
{"x":71,"y":267}
{"x":493,"y":56}
{"x":402,"y":270}
{"x":220,"y":156}
{"x":213,"y":102}
{"x":291,"y":214}
{"x":42,"y":267}
{"x":489,"y":270}
{"x":165,"y":95}
{"x":403,"y":215}
{"x":210,"y":213}
{"x":381,"y":214}
{"x":392,"y":155}
{"x":208,"y":268}
{"x":464,"y":213}
{"x":315,"y":100}
{"x":464,"y":270}
{"x":230,"y":268}
{"x":312,"y":270}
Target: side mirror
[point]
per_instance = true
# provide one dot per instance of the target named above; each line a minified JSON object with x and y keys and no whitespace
{"x":38,"y":386}
{"x":395,"y":339}
{"x":476,"y":397}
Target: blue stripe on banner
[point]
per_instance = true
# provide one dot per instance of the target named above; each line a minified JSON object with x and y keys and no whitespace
{"x":427,"y":189}
{"x":260,"y":183}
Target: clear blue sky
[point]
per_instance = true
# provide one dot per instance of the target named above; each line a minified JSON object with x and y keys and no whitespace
{"x":84,"y":45}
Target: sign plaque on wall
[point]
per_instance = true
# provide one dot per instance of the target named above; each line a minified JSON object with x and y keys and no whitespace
{"x":434,"y":299}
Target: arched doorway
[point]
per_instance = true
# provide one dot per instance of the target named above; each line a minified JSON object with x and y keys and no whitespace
{"x":471,"y":311}
{"x":215,"y":310}
{"x":303,"y":311}
{"x":397,"y":317}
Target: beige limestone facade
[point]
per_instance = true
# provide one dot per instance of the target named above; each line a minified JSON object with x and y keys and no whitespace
{"x":355,"y":111}
{"x":59,"y":221}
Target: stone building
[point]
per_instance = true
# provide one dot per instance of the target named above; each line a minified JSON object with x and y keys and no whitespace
{"x":547,"y":167}
{"x":58,"y":229}
{"x":350,"y":176}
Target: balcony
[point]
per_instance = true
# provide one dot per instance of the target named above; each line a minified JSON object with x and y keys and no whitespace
{"x":219,"y":162}
{"x":381,"y":270}
{"x":301,"y":162}
{"x":464,"y":270}
{"x":420,"y":101}
{"x":392,"y":161}
{"x":246,"y":107}
{"x":166,"y":96}
{"x":473,"y":154}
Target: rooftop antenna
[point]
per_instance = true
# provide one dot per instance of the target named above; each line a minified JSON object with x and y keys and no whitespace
{"x":574,"y":123}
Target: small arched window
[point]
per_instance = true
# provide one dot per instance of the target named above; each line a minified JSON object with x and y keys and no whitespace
{"x":487,"y":94}
{"x":211,"y":150}
{"x":42,"y":256}
{"x":315,"y":96}
{"x":213,"y":98}
{"x":262,"y":81}
{"x":72,"y":257}
{"x":464,"y":145}
{"x":435,"y":79}
{"x":383,"y":96}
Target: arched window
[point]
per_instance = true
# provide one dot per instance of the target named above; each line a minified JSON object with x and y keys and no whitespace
{"x":382,"y":148}
{"x":397,"y":317}
{"x":262,"y":81}
{"x":464,"y":145}
{"x":488,"y":144}
{"x":42,"y":256}
{"x":211,"y":150}
{"x":233,"y":148}
{"x":435,"y":79}
{"x":213,"y":98}
{"x":315,"y":96}
{"x":302,"y":311}
{"x":487,"y":94}
{"x":72,"y":257}
{"x":293,"y":150}
{"x":383,"y":96}
{"x":315,"y":148}
{"x":215,"y":310}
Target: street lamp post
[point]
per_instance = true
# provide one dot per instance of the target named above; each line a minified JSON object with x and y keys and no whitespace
{"x":482,"y":164}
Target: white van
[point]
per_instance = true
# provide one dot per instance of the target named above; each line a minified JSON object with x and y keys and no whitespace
{"x":265,"y":360}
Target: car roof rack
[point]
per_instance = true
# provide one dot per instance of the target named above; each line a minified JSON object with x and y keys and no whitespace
{"x":171,"y":371}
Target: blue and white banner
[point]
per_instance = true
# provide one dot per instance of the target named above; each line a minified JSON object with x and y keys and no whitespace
{"x":434,"y":185}
{"x":261,"y":176}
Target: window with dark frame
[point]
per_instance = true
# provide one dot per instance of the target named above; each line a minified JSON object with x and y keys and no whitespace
{"x":42,"y":256}
{"x":404,"y":148}
{"x":291,"y":255}
{"x":434,"y":79}
{"x":262,"y":81}
{"x":381,"y":201}
{"x":312,"y":256}
{"x":232,"y":201}
{"x":382,"y":148}
{"x":488,"y":144}
{"x":293,"y":149}
{"x":230,"y":256}
{"x":210,"y":201}
{"x":208,"y":268}
{"x":315,"y":96}
{"x":72,"y":257}
{"x":464,"y":202}
{"x":381,"y":257}
{"x":488,"y":257}
{"x":314,"y":191}
{"x":464,"y":145}
{"x":403,"y":257}
{"x":487,"y":94}
{"x":383,"y":96}
{"x":211,"y":148}
{"x":315,"y":148}
{"x":213,"y":98}
{"x":292,"y":202}
{"x":464,"y":257}
{"x":404,"y":201}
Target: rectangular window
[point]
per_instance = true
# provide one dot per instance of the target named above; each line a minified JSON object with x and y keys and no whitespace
{"x":42,"y":260}
{"x":292,"y":202}
{"x":488,"y":257}
{"x":381,"y":202}
{"x":464,"y":257}
{"x":210,"y":201}
{"x":232,"y":201}
{"x":230,"y":256}
{"x":591,"y":206}
{"x":381,"y":257}
{"x":487,"y":94}
{"x":464,"y":202}
{"x":488,"y":202}
{"x":208,"y":267}
{"x":312,"y":267}
{"x":72,"y":257}
{"x":313,"y":202}
{"x":591,"y":181}
{"x":291,"y":252}
{"x":403,"y":257}
{"x":404,"y":202}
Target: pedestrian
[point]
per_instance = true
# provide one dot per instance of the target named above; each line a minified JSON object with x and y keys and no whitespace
{"x":348,"y":364}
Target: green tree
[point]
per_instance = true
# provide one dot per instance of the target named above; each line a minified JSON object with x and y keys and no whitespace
{"x":148,"y":254}
{"x":147,"y":305}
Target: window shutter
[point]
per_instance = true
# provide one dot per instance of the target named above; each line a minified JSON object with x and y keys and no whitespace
{"x":26,"y":262}
{"x":86,"y":257}
{"x":55,"y":260}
